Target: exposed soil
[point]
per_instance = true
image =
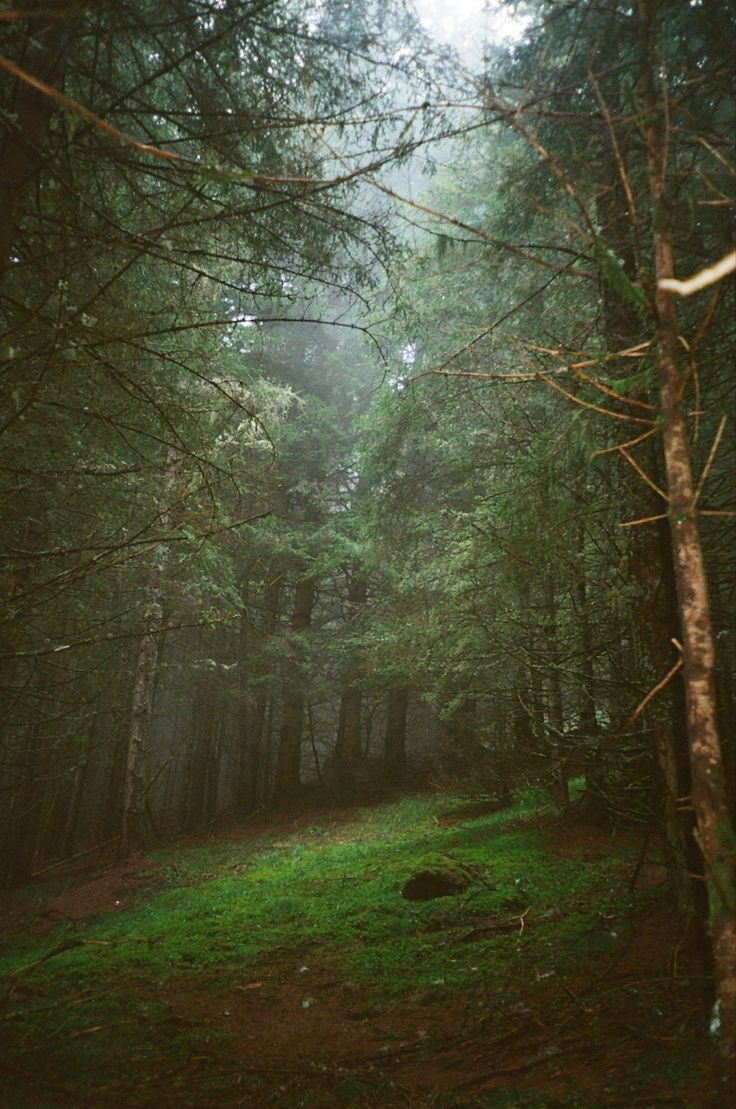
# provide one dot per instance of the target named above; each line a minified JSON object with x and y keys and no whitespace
{"x":298,"y":1033}
{"x":109,"y":892}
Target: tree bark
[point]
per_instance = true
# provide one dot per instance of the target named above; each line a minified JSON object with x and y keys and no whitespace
{"x":144,"y":683}
{"x":709,"y":791}
{"x":555,"y":738}
{"x":649,"y":552}
{"x":264,"y":701}
{"x":140,"y":714}
{"x":348,"y":753}
{"x":255,"y":692}
{"x":287,"y":781}
{"x":43,"y":53}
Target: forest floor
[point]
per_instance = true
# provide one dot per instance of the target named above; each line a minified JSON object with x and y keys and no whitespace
{"x":277,"y":964}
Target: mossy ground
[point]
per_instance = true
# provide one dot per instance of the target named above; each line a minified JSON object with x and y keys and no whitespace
{"x":289,"y":970}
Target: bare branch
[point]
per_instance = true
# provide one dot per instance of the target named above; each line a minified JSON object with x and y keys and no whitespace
{"x":702,"y":279}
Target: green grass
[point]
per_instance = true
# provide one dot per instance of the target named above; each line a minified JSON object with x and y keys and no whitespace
{"x":226,"y":906}
{"x":230,"y":904}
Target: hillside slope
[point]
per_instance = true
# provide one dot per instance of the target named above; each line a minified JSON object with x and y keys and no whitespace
{"x":282,"y":966}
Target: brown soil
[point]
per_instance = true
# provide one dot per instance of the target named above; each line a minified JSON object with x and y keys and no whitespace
{"x":298,"y":1033}
{"x":109,"y":892}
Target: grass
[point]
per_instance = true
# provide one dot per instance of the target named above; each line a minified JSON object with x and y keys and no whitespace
{"x":231,"y":904}
{"x":225,"y":907}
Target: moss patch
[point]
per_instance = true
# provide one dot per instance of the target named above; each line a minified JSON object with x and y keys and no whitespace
{"x":299,"y":949}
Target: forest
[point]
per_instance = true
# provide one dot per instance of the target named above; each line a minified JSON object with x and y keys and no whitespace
{"x":367,"y":479}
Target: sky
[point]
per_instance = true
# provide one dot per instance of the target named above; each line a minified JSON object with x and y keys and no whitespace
{"x":453,"y":21}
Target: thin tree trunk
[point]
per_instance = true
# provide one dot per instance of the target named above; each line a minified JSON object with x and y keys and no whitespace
{"x":649,"y":553}
{"x":348,"y":753}
{"x":203,"y":713}
{"x":142,"y":705}
{"x":144,"y":683}
{"x":288,"y":759}
{"x":252,"y":774}
{"x":586,"y":692}
{"x":394,"y":758}
{"x":709,"y":792}
{"x":75,"y":801}
{"x":555,"y":740}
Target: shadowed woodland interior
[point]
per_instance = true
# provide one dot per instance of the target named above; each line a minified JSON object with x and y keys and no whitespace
{"x":367,"y":455}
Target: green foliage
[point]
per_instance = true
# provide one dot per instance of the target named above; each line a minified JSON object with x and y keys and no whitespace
{"x":613,"y":273}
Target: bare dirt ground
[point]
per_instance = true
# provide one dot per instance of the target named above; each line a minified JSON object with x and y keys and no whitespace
{"x":555,"y":1044}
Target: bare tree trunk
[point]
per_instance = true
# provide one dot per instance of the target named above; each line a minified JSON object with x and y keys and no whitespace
{"x":74,"y":803}
{"x":348,"y":753}
{"x":144,"y":683}
{"x":555,"y":738}
{"x":288,"y":759}
{"x":255,"y":704}
{"x":142,"y":704}
{"x":203,"y":724}
{"x":709,"y":792}
{"x":394,"y":757}
{"x":649,"y":553}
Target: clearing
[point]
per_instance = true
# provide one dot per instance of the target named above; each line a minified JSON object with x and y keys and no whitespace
{"x":280,"y":965}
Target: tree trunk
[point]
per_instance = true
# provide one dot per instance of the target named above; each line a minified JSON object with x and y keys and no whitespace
{"x":253,"y":725}
{"x":348,"y":753}
{"x":142,"y":704}
{"x":588,"y":732}
{"x":394,"y":749}
{"x":555,"y":739}
{"x":709,"y":791}
{"x":74,"y":803}
{"x":43,"y":54}
{"x":287,"y":781}
{"x":19,"y":848}
{"x":202,"y":724}
{"x":661,"y":727}
{"x":144,"y":682}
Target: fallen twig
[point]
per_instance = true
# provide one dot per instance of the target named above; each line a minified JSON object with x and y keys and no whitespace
{"x":511,"y":924}
{"x":73,"y":858}
{"x":76,"y":942}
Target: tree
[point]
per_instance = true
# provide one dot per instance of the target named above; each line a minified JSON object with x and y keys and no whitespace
{"x":553,"y":109}
{"x":150,"y":223}
{"x":709,"y":790}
